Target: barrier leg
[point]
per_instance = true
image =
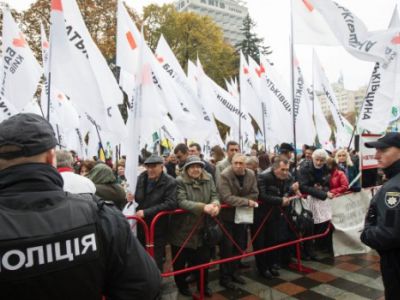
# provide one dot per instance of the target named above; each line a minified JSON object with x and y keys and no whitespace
{"x":298,"y":254}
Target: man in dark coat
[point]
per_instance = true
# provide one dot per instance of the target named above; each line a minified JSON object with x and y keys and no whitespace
{"x":237,"y":186}
{"x":155,"y":192}
{"x":57,"y":245}
{"x":275,"y":187}
{"x":382,"y":223}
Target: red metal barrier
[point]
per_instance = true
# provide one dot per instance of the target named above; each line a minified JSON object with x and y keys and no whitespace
{"x":145,"y":229}
{"x":243,"y":254}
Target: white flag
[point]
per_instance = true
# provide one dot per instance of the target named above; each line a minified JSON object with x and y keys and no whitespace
{"x":110,"y":93}
{"x":324,"y":131}
{"x":70,"y":68}
{"x":383,"y":92}
{"x":305,"y":129}
{"x":20,"y":70}
{"x":344,"y":129}
{"x":351,"y":32}
{"x":248,"y":92}
{"x":205,"y":126}
{"x":278,"y":105}
{"x":309,"y":27}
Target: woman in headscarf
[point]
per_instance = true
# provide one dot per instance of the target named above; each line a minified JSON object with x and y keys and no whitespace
{"x":196,"y":193}
{"x":106,"y":184}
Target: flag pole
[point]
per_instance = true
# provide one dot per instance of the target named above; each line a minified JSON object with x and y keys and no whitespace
{"x":240,"y":121}
{"x":264,"y":110}
{"x":292,"y":84}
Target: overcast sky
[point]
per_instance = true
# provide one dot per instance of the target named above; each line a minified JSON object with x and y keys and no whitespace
{"x":272,"y":18}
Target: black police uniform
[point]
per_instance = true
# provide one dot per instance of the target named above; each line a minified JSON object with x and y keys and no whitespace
{"x":382,"y":230}
{"x":56,"y":245}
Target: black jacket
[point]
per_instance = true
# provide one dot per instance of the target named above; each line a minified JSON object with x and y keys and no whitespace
{"x":309,"y":176}
{"x":56,"y":245}
{"x":382,"y":230}
{"x":382,"y":224}
{"x":272,"y":190}
{"x":161,"y":196}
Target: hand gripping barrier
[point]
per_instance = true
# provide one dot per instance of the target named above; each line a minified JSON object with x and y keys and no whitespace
{"x":145,"y":229}
{"x":243,"y":253}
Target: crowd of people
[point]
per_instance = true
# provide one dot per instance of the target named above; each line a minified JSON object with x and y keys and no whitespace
{"x":62,"y":222}
{"x":185,"y":179}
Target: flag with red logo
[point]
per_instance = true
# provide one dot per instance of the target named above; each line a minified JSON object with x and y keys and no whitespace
{"x":20,"y":71}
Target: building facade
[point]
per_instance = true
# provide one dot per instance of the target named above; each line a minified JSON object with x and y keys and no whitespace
{"x":228,"y":14}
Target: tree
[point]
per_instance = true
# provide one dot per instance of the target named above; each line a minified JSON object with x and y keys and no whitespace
{"x":190,"y":36}
{"x":252,"y":45}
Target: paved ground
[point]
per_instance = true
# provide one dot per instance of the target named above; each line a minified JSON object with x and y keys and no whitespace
{"x":349,"y":277}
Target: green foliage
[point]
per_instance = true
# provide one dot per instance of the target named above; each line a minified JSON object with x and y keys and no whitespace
{"x":190,"y":36}
{"x":252,"y":45}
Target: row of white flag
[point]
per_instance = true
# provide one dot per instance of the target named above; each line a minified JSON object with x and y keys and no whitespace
{"x":164,"y":99}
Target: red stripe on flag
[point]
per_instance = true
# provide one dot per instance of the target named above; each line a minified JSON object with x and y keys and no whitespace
{"x":131,"y":40}
{"x":309,"y":6}
{"x":396,"y":39}
{"x":56,"y":5}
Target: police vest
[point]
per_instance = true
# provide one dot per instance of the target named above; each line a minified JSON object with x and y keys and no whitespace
{"x":51,"y":251}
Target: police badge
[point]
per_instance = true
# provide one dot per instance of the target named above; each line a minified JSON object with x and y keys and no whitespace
{"x":392,"y":199}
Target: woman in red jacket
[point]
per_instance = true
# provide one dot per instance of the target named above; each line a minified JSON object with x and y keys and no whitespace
{"x":338,"y":183}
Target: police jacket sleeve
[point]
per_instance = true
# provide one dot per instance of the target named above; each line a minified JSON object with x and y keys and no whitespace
{"x":384,"y":234}
{"x":130,"y":272}
{"x":169,"y":200}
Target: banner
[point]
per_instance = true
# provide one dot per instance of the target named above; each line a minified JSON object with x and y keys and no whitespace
{"x":368,"y":160}
{"x":348,"y":214}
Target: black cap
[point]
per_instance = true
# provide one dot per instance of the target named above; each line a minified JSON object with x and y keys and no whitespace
{"x":154,"y":159}
{"x":30,"y":133}
{"x":286,"y":147}
{"x":391,"y":139}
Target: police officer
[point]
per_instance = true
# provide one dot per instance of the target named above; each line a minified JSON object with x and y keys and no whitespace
{"x":57,"y":245}
{"x":382,"y":223}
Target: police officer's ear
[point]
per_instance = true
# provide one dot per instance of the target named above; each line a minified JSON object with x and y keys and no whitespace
{"x":51,"y":158}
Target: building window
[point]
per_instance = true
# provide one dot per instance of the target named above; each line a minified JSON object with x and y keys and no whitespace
{"x":203,"y":1}
{"x":222,"y":4}
{"x":211,"y":2}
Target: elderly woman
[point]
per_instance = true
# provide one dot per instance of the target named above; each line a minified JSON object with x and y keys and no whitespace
{"x":314,"y":180}
{"x":197,"y":194}
{"x":343,"y":159}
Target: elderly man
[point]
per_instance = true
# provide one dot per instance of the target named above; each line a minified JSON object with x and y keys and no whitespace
{"x":237,"y":187}
{"x":155,"y":192}
{"x":232,"y":148}
{"x":275,"y":186}
{"x":382,"y":223}
{"x":73,"y":183}
{"x":57,"y":245}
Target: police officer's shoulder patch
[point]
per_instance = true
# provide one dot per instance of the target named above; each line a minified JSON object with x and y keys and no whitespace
{"x":392,"y":199}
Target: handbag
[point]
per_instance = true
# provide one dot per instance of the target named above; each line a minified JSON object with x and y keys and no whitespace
{"x":212,"y":233}
{"x":301,"y":217}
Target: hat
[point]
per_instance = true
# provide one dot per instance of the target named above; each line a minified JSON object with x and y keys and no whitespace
{"x":391,"y":139}
{"x":285,"y":147}
{"x":154,"y":159}
{"x":193,"y":160}
{"x":30,"y":133}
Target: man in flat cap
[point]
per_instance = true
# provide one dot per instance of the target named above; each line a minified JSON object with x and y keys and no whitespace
{"x":382,"y":223}
{"x":155,"y":192}
{"x":57,"y":245}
